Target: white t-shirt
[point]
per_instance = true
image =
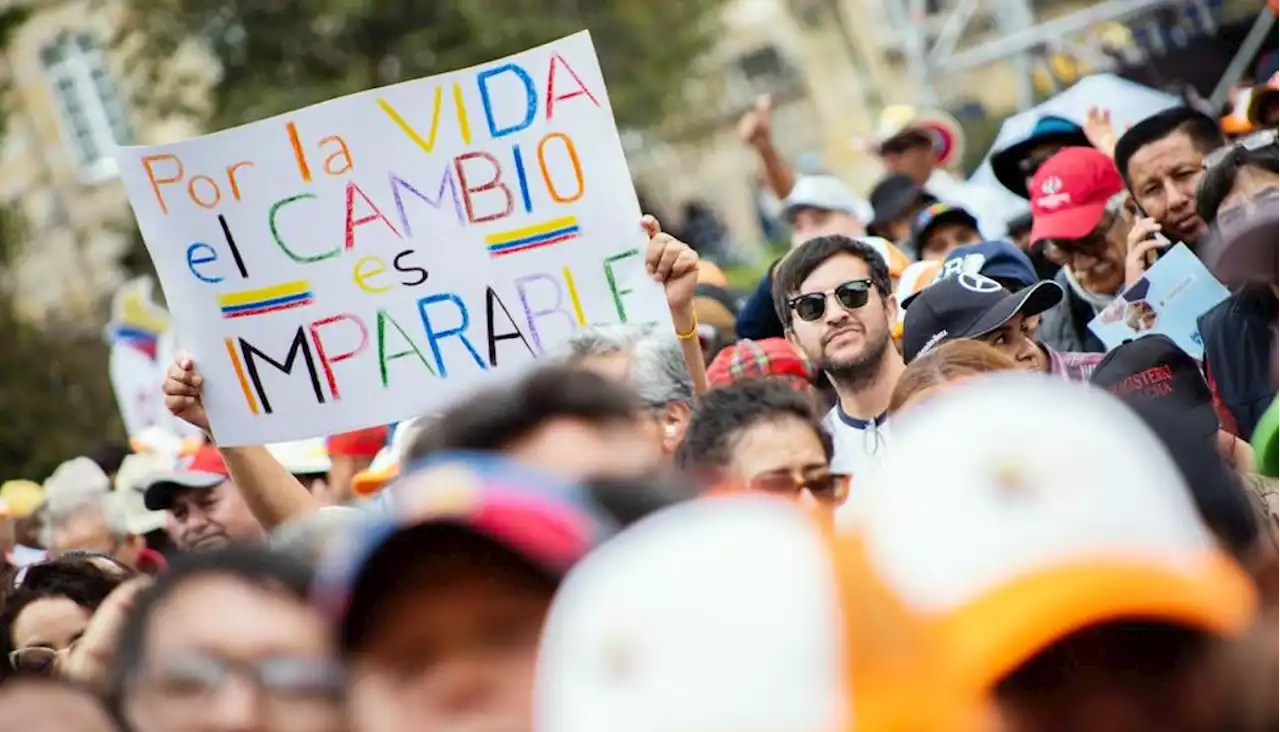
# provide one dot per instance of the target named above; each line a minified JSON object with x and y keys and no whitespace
{"x":860,"y":444}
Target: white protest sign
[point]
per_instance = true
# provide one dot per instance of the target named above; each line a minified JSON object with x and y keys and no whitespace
{"x":364,"y":260}
{"x":141,"y":348}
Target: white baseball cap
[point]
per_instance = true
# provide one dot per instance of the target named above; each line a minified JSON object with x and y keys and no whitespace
{"x":137,"y":471}
{"x":1017,"y":509}
{"x":74,"y":482}
{"x":736,"y":613}
{"x":826,"y":193}
{"x":302,"y":457}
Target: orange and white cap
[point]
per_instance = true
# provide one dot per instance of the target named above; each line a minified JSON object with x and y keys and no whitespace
{"x":893,"y":256}
{"x":385,"y":466}
{"x":1018,"y":509}
{"x":916,"y":277}
{"x":737,"y":613}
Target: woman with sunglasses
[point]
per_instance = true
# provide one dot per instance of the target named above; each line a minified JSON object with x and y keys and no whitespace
{"x":763,"y":435}
{"x":47,"y":609}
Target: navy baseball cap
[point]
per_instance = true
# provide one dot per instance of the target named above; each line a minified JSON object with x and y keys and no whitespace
{"x":968,"y":306}
{"x":998,"y":260}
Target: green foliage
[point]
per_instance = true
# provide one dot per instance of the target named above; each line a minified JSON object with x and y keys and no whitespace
{"x":57,"y":400}
{"x":56,"y":396}
{"x":278,"y":55}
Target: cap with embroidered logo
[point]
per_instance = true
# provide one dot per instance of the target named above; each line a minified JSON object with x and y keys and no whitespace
{"x":1069,"y":193}
{"x":999,"y":260}
{"x":968,"y":306}
{"x":1153,"y":368}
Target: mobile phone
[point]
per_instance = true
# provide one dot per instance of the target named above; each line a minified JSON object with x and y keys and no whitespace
{"x":1150,"y":257}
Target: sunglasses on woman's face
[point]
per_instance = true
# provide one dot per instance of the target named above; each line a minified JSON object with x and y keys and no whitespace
{"x":826,"y":488}
{"x":813,"y":305}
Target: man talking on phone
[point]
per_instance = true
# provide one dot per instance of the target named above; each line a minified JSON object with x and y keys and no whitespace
{"x":1162,"y":159}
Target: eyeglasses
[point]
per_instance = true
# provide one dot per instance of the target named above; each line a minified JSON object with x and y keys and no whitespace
{"x":35,"y":660}
{"x":826,"y":488}
{"x":812,"y":305}
{"x":191,"y":677}
{"x":1062,"y":251}
{"x":1248,"y":143}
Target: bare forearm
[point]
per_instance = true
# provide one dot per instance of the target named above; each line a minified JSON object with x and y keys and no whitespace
{"x":687,"y":322}
{"x":777,"y":173}
{"x":272,"y":494}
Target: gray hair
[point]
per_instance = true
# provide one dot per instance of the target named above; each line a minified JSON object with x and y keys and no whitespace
{"x":308,"y":537}
{"x":658,"y":373}
{"x":112,"y":514}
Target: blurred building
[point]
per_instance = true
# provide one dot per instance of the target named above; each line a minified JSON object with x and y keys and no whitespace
{"x":68,"y":109}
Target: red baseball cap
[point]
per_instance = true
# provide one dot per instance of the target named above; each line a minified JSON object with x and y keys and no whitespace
{"x":1069,"y":193}
{"x":202,"y":470}
{"x":359,"y":443}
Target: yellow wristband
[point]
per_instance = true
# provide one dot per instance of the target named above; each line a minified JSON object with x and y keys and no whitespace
{"x":693,"y":332}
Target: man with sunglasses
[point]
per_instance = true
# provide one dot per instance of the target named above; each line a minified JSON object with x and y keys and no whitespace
{"x":1077,"y":199}
{"x":833,"y":296}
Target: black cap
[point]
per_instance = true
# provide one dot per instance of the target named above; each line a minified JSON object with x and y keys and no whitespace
{"x":968,"y":306}
{"x":1218,"y":494}
{"x":1154,"y":369}
{"x":894,"y":197}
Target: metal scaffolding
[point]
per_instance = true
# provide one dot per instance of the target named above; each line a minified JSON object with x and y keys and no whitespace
{"x":930,"y":42}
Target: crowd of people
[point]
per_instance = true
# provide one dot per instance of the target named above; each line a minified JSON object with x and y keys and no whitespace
{"x":901,"y":486}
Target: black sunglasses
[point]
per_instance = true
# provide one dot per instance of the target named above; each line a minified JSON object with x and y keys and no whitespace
{"x":812,"y":305}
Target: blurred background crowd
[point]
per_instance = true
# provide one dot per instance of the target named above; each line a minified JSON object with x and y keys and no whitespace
{"x":887,"y":473}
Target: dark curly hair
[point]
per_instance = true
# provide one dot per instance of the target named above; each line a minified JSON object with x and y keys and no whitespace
{"x":74,"y":578}
{"x":725,"y":414}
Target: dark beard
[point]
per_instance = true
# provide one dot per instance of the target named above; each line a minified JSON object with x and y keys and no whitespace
{"x":860,"y":373}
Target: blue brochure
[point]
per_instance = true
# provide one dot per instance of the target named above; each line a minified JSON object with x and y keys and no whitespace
{"x":1168,"y":299}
